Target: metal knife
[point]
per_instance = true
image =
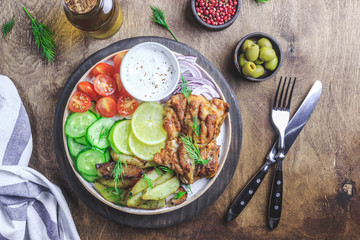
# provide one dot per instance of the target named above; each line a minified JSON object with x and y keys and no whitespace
{"x":293,"y":129}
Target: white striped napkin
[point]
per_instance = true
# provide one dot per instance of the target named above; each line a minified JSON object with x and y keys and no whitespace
{"x":31,"y":207}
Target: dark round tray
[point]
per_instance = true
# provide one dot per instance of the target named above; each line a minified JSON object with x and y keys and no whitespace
{"x":165,"y":219}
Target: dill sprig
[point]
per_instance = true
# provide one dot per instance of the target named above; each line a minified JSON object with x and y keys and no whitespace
{"x":156,"y":169}
{"x":104,"y":131}
{"x":189,"y":187}
{"x":159,"y":18}
{"x":118,"y":173}
{"x":261,"y":1}
{"x":179,"y":194}
{"x":44,"y":38}
{"x":165,"y":169}
{"x":185,"y":88}
{"x":195,"y":126}
{"x":193,"y":151}
{"x":7,"y":26}
{"x":148,"y":181}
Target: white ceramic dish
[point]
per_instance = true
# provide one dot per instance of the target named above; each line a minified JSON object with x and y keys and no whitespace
{"x":198,"y":188}
{"x":150,"y":71}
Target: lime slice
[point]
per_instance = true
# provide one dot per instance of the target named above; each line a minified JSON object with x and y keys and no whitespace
{"x":146,"y":123}
{"x":119,"y":136}
{"x":142,"y":150}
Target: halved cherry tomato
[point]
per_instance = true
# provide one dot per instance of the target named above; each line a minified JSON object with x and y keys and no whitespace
{"x":104,"y":69}
{"x":127,"y":105}
{"x":79,"y":102}
{"x":118,"y":81}
{"x":104,"y":85}
{"x":118,"y":59}
{"x":106,"y":106}
{"x":88,"y":89}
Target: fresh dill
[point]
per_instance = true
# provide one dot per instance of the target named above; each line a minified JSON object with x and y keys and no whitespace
{"x":261,"y":1}
{"x":185,"y":88}
{"x":118,"y":173}
{"x":195,"y":126}
{"x":179,"y":195}
{"x":193,"y":151}
{"x":159,"y":18}
{"x":156,"y":169}
{"x":8,"y":26}
{"x":115,"y":193}
{"x":189,"y":187}
{"x":44,"y":38}
{"x":104,"y":131}
{"x":165,"y":169}
{"x":148,"y":181}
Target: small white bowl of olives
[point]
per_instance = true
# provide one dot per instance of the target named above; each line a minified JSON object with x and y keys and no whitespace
{"x":258,"y":57}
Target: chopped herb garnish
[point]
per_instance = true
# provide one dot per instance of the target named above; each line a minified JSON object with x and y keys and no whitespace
{"x":193,"y":151}
{"x":189,"y":187}
{"x":104,"y":131}
{"x":261,"y":1}
{"x":148,"y":181}
{"x":179,"y":195}
{"x":118,"y":173}
{"x":195,"y":126}
{"x":159,"y":18}
{"x":185,"y":88}
{"x":7,"y":26}
{"x":156,"y":169}
{"x":165,"y":169}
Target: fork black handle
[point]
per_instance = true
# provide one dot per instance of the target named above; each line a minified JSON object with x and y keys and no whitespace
{"x":247,"y":193}
{"x":275,"y":204}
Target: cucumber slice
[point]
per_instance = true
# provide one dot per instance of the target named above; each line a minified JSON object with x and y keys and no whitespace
{"x":89,"y":178}
{"x":107,"y":155}
{"x":74,"y":147}
{"x":97,"y":134}
{"x":82,"y":141}
{"x":86,"y":160}
{"x":77,"y":123}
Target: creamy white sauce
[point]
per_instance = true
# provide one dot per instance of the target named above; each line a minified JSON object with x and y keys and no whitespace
{"x":149,"y":73}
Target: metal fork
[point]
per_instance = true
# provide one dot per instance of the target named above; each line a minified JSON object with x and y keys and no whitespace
{"x":280,"y":116}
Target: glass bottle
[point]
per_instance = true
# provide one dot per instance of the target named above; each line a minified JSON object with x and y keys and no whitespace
{"x":98,"y":18}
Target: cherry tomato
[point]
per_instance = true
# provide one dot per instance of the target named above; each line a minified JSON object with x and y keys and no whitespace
{"x":103,"y":69}
{"x":104,"y":85}
{"x":127,"y":105}
{"x":117,"y":60}
{"x":88,"y":89}
{"x":119,"y":84}
{"x":79,"y":102}
{"x":106,"y":106}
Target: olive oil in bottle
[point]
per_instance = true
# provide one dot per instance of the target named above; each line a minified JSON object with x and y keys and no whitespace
{"x":98,"y":18}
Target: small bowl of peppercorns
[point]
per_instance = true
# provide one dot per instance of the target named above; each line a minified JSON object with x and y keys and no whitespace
{"x":215,"y":15}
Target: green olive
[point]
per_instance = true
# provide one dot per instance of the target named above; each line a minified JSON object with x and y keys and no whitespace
{"x":245,"y":45}
{"x":259,"y":61}
{"x":271,"y":65}
{"x":249,"y":68}
{"x":252,"y":52}
{"x":267,"y":54}
{"x":242,"y":60}
{"x":259,"y":71}
{"x":264,"y":42}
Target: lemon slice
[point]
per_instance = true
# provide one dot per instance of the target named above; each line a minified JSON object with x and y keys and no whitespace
{"x":119,"y":136}
{"x":146,"y":123}
{"x":142,"y":150}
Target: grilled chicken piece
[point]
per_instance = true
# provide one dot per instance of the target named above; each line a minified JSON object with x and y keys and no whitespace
{"x":179,"y":117}
{"x":176,"y":201}
{"x":129,"y":171}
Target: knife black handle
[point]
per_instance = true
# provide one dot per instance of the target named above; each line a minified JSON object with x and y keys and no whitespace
{"x":247,"y":193}
{"x":274,"y":212}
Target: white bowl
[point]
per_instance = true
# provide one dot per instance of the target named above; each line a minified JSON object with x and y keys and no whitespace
{"x":150,"y":71}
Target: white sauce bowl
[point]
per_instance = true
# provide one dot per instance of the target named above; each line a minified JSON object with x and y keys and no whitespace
{"x":149,"y":71}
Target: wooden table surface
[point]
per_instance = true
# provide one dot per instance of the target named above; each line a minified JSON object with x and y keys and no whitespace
{"x":320,"y":40}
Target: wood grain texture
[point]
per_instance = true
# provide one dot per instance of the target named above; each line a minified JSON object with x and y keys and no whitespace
{"x":319,"y":40}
